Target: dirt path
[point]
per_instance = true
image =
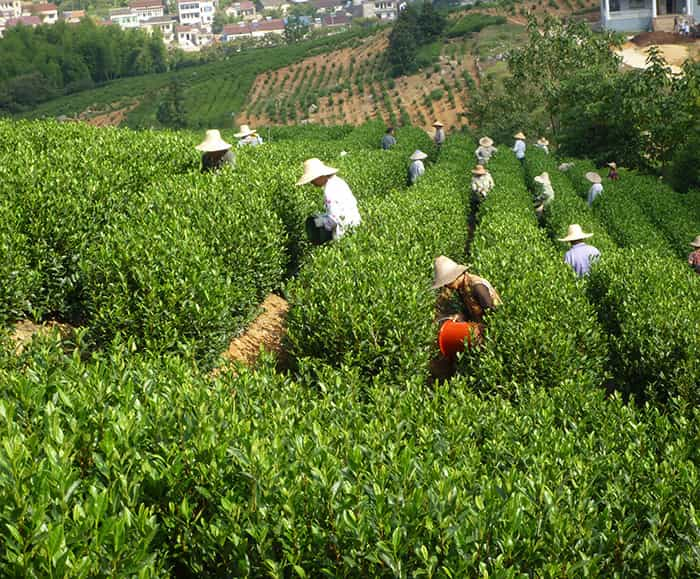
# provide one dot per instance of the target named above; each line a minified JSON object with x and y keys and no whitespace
{"x":267,"y":331}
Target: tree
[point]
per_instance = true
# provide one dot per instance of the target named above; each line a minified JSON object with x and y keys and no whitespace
{"x":295,"y":29}
{"x":432,"y":24}
{"x":171,"y":110}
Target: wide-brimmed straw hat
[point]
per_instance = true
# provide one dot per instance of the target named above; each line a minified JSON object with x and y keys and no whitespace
{"x":612,"y":165}
{"x":575,"y":233}
{"x":519,"y":135}
{"x":479,"y":170}
{"x":485,"y":141}
{"x":245,"y":131}
{"x":418,"y":155}
{"x":446,"y":271}
{"x":696,"y":242}
{"x":593,"y":177}
{"x":213,"y":142}
{"x":438,"y":124}
{"x":543,"y":178}
{"x":542,"y":141}
{"x":313,"y":169}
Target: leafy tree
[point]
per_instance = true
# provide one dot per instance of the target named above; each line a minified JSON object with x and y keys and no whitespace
{"x":171,"y":110}
{"x":431,"y":22}
{"x":295,"y":29}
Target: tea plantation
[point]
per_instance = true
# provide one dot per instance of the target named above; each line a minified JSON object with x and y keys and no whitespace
{"x":567,"y":445}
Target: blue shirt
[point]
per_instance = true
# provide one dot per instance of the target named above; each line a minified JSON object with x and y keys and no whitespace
{"x":580,"y":257}
{"x":388,"y":141}
{"x":519,"y":149}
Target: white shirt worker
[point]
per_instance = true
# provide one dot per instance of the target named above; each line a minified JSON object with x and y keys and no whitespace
{"x":341,"y":205}
{"x":519,"y":149}
{"x":415,"y":170}
{"x":595,"y":190}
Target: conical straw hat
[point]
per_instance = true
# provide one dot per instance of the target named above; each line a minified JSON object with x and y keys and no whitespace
{"x":479,"y":170}
{"x":542,"y":141}
{"x":696,"y":242}
{"x":575,"y":233}
{"x":314,"y":168}
{"x":612,"y":165}
{"x":593,"y":177}
{"x":213,"y":142}
{"x":438,"y":124}
{"x":244,"y":132}
{"x":519,"y":136}
{"x":446,"y":271}
{"x":418,"y":155}
{"x":485,"y":142}
{"x":543,"y":178}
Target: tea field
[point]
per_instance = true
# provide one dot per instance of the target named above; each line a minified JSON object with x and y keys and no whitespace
{"x":567,"y":445}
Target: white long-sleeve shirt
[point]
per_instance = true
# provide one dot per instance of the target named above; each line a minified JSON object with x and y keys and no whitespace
{"x":341,"y":205}
{"x":415,"y":170}
{"x":519,"y":149}
{"x":482,"y":184}
{"x":595,"y":190}
{"x":483,"y":154}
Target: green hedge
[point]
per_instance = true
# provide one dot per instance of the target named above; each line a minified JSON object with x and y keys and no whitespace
{"x":365,"y":300}
{"x":141,"y":466}
{"x":474,"y":22}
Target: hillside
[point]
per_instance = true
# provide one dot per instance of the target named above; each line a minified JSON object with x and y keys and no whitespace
{"x":344,"y":76}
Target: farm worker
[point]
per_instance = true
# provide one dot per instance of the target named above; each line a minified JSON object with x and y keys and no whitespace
{"x":439,"y":137}
{"x":564,"y":167}
{"x":416,"y":168}
{"x":341,"y":205}
{"x":485,"y":151}
{"x":248,"y":137}
{"x":694,"y":256}
{"x":543,"y":144}
{"x":612,"y":174}
{"x":388,"y":140}
{"x":519,"y":147}
{"x":482,"y":182}
{"x":546,"y":194}
{"x":596,"y":188}
{"x":216,"y":152}
{"x":476,"y":295}
{"x":581,"y":255}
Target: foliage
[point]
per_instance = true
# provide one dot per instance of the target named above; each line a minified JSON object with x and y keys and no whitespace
{"x":473,"y":22}
{"x":412,"y":30}
{"x":41,"y":62}
{"x":171,"y":110}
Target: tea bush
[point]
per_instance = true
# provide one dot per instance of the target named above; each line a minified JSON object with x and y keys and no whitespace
{"x":546,"y":333}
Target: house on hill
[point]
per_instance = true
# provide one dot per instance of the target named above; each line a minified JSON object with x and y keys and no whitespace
{"x":252,"y":29}
{"x":47,"y":12}
{"x":73,"y":16}
{"x":146,"y":9}
{"x":636,"y":15}
{"x":125,"y":18}
{"x":379,"y":9}
{"x":164,"y":24}
{"x":339,"y":21}
{"x":327,"y":6}
{"x":196,"y":12}
{"x":244,"y":10}
{"x":10,"y":8}
{"x":32,"y":21}
{"x":281,"y":5}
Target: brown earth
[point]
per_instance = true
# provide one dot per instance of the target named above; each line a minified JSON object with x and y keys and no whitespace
{"x":266,"y":331}
{"x":649,"y":38}
{"x":24,"y":330}
{"x":111,"y":118}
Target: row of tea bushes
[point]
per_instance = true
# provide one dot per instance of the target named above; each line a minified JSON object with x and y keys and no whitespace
{"x":131,"y":465}
{"x":546,"y":333}
{"x":644,"y":300}
{"x":365,"y":301}
{"x":616,"y":208}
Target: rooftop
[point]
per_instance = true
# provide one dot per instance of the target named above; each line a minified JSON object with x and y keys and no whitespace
{"x":146,"y":4}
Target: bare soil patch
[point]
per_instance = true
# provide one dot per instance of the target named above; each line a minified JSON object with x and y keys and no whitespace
{"x":108,"y":118}
{"x":24,"y":331}
{"x":266,"y":331}
{"x":650,"y":38}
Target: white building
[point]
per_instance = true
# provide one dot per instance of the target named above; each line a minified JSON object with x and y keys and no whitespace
{"x":146,"y":9}
{"x":380,"y":9}
{"x":10,"y":8}
{"x":244,"y":10}
{"x":47,"y":12}
{"x":636,"y":15}
{"x":125,"y":18}
{"x":164,"y":24}
{"x":196,"y":12}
